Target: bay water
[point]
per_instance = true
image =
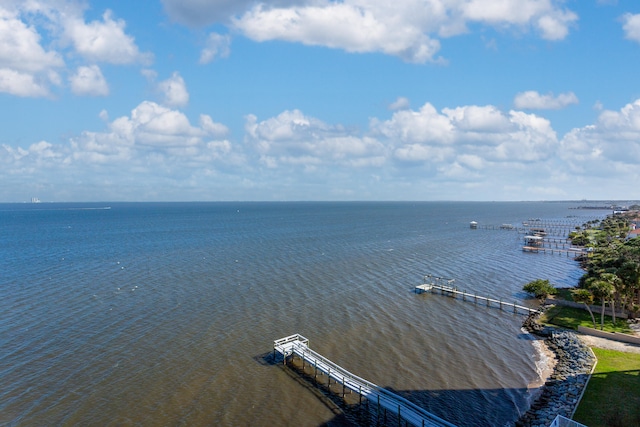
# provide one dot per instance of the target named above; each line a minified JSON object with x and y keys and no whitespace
{"x":164,"y":314}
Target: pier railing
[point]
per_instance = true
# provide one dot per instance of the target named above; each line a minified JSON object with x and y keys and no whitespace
{"x":297,"y":345}
{"x":453,"y":292}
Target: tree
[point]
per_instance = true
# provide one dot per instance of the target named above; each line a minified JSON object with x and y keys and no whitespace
{"x":540,"y":288}
{"x":585,"y":297}
{"x":616,"y":284}
{"x":629,"y":274}
{"x":603,"y":290}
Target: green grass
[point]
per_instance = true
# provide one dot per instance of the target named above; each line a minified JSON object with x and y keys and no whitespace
{"x":571,"y":318}
{"x":612,"y":397}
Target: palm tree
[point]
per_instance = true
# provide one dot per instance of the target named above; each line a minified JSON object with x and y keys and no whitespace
{"x":586,"y":297}
{"x":616,"y":284}
{"x":603,"y":290}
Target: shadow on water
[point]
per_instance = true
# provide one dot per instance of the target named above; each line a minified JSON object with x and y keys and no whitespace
{"x":453,"y":406}
{"x":333,"y":401}
{"x":350,"y":409}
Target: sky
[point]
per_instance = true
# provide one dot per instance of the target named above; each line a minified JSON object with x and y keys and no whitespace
{"x":285,"y":100}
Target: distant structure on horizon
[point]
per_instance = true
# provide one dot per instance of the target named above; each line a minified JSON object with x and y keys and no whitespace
{"x":35,"y":200}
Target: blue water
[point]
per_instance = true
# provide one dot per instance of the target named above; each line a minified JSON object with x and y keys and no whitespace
{"x":163,"y":313}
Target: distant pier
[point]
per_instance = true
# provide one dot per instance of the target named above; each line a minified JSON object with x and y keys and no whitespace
{"x":557,"y":228}
{"x":570,"y":252}
{"x":386,"y":403}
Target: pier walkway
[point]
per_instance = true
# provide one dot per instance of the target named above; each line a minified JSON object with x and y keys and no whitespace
{"x":454,"y":293}
{"x":406,"y":411}
{"x":574,"y":252}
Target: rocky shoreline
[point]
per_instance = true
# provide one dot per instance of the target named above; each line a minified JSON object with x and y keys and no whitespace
{"x":563,"y":389}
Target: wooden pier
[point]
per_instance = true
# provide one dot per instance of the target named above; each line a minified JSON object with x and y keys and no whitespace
{"x":407,"y":413}
{"x":489,"y":302}
{"x":574,"y":252}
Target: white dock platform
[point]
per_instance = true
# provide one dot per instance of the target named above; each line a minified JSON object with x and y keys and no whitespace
{"x":410,"y":413}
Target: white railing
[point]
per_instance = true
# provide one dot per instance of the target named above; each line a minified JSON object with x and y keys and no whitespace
{"x":561,"y":421}
{"x":408,"y":411}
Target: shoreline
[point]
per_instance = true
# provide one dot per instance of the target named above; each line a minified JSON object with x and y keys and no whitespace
{"x":573,"y":362}
{"x":545,"y":364}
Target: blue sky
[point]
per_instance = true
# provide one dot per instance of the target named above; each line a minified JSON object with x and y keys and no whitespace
{"x":178,"y":100}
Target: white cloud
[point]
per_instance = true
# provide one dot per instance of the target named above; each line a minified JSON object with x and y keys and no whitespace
{"x":555,"y":26}
{"x":211,"y":127}
{"x":174,"y":91}
{"x":471,"y":136}
{"x":26,"y":68}
{"x":29,"y":69}
{"x":102,"y":41}
{"x":295,"y":139}
{"x":532,"y":100}
{"x":408,"y":126}
{"x":612,"y":142}
{"x":631,"y":26}
{"x":153,"y":135}
{"x":476,"y":151}
{"x":20,"y":47}
{"x":217,"y":46}
{"x":408,"y":29}
{"x":481,"y":131}
{"x":351,"y":27}
{"x":478,"y":119}
{"x":552,"y":22}
{"x":401,"y":103}
{"x":22,"y":84}
{"x":89,"y":81}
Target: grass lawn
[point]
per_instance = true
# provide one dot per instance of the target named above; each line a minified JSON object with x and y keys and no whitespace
{"x":571,"y":318}
{"x":612,"y":397}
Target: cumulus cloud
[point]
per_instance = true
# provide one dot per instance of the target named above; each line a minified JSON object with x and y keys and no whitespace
{"x":481,"y":131}
{"x":174,"y":91}
{"x":423,"y":126}
{"x":401,"y":103}
{"x":610,"y":143}
{"x":532,"y":100}
{"x":470,"y":136}
{"x":152,"y":152}
{"x":631,"y":26}
{"x":89,"y":81}
{"x":151,"y":137}
{"x":217,"y":46}
{"x":20,"y":47}
{"x":551,"y":21}
{"x":26,"y":68}
{"x":408,"y":29}
{"x":296,"y":139}
{"x":29,"y":69}
{"x":454,"y":148}
{"x":23,"y":84}
{"x":103,"y":41}
{"x":338,"y":25}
